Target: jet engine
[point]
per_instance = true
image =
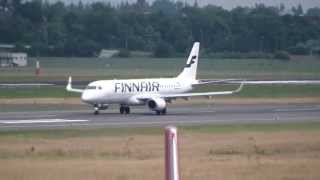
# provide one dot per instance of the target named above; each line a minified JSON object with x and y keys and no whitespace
{"x":157,"y":104}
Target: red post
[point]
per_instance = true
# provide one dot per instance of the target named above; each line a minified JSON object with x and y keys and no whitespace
{"x":171,"y":154}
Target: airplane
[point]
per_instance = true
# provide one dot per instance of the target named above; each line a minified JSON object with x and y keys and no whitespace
{"x":155,"y":93}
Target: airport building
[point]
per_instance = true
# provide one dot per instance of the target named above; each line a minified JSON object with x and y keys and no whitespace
{"x":12,"y":59}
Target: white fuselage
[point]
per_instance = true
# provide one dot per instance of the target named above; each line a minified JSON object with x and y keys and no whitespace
{"x":128,"y":91}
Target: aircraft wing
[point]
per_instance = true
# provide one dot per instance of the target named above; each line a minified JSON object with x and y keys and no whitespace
{"x":272,"y":82}
{"x":204,"y":94}
{"x":213,"y":81}
{"x":69,"y":87}
{"x":256,"y":82}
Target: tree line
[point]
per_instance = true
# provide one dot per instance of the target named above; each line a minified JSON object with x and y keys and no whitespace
{"x":164,"y":27}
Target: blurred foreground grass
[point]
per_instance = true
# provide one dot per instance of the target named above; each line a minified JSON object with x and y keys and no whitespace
{"x":248,"y":151}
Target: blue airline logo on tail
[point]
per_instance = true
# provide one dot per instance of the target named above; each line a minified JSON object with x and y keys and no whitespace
{"x":191,"y":62}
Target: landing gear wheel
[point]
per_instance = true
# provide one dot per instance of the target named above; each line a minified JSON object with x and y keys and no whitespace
{"x":127,"y":110}
{"x":96,"y":110}
{"x":122,"y":110}
{"x":164,"y":112}
{"x":161,"y":112}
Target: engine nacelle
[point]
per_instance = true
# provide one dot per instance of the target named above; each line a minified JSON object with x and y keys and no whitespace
{"x":156,"y":104}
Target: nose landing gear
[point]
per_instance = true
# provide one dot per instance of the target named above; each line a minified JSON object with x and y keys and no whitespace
{"x":98,"y":107}
{"x":162,"y":112}
{"x":96,"y":110}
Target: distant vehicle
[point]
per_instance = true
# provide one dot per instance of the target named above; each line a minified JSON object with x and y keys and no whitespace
{"x":155,"y":93}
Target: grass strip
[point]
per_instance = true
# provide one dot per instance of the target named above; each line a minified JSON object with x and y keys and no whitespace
{"x":263,"y":91}
{"x":98,"y":132}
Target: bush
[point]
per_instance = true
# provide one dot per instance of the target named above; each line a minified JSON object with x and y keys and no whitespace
{"x":282,"y":55}
{"x":124,"y":53}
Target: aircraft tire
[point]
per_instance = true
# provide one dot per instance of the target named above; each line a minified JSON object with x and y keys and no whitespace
{"x":164,"y":111}
{"x":127,"y":110}
{"x":96,"y":112}
{"x":121,"y":110}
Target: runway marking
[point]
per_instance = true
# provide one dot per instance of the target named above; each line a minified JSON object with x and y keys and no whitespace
{"x":41,"y":121}
{"x":297,"y":109}
{"x":32,"y":116}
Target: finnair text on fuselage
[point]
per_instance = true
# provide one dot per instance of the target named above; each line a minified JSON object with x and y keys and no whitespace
{"x":143,"y":86}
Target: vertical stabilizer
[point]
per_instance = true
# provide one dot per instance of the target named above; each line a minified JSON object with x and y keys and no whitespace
{"x":190,"y":69}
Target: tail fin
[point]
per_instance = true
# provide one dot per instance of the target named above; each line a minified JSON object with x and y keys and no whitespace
{"x":190,"y":70}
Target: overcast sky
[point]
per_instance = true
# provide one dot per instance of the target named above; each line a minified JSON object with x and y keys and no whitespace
{"x":228,"y":4}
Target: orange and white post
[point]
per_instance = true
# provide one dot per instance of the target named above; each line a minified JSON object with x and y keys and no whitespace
{"x":37,"y":68}
{"x":171,"y":154}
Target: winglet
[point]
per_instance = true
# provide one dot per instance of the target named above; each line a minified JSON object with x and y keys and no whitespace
{"x":69,"y":86}
{"x":70,"y":80}
{"x":239,"y":88}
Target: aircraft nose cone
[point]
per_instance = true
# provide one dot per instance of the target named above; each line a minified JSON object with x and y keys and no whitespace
{"x":87,"y":97}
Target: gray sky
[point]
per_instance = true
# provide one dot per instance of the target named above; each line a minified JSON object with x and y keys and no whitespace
{"x":228,"y":4}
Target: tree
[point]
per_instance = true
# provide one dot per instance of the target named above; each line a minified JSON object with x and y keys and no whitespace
{"x":297,"y":11}
{"x":166,"y":26}
{"x":163,"y":50}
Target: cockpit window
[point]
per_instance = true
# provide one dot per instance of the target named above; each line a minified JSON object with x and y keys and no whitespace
{"x":91,"y":87}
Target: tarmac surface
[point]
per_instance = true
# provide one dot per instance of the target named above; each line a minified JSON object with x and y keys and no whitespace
{"x":143,"y":117}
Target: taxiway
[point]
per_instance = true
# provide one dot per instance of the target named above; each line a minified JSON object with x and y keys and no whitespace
{"x":177,"y":115}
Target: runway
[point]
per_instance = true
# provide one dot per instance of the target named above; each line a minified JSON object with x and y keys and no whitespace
{"x":143,"y":117}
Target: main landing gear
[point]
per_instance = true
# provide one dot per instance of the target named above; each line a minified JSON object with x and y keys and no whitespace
{"x":124,"y":109}
{"x":162,"y":112}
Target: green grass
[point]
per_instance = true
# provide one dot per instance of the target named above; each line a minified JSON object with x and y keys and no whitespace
{"x":232,"y":128}
{"x":262,"y":91}
{"x":95,"y":68}
{"x":268,"y":91}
